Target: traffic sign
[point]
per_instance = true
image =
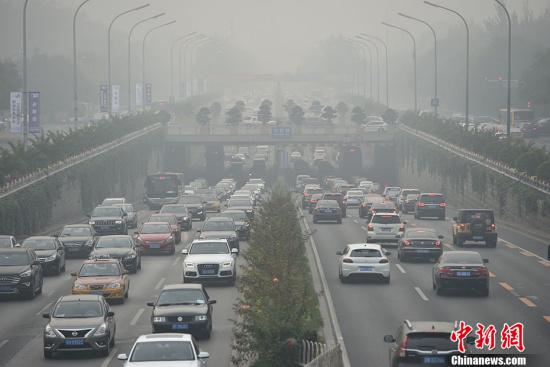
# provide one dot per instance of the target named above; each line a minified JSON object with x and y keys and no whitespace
{"x":435,"y":102}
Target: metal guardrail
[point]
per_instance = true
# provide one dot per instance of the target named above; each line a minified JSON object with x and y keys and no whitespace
{"x":314,"y":354}
{"x":496,"y":166}
{"x":25,"y":181}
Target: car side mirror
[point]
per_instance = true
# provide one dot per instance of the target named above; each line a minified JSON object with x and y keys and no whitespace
{"x":184,"y":251}
{"x":234,"y":250}
{"x":203,"y":355}
{"x":73,"y":274}
{"x":389,"y":339}
{"x":441,"y":237}
{"x":339,"y":253}
{"x":151,"y":304}
{"x":46,"y":315}
{"x":455,"y":219}
{"x":122,"y":357}
{"x":486,"y":261}
{"x":110,"y":313}
{"x":212,"y":301}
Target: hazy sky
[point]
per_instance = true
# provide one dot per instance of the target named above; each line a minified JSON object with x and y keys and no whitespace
{"x":277,"y":33}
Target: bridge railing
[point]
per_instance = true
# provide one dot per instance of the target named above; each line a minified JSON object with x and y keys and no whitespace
{"x":314,"y":354}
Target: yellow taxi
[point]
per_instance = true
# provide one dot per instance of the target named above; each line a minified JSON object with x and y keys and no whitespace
{"x":106,"y":277}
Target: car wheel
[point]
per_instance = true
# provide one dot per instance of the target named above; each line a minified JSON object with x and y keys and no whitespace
{"x":442,"y":217}
{"x":314,"y":219}
{"x":48,"y":354}
{"x":438,"y":290}
{"x":127,"y":291}
{"x":57,"y":271}
{"x":105,"y":352}
{"x":121,"y":300}
{"x":39,"y":290}
{"x":387,"y":280}
{"x":231,"y":281}
{"x":112,"y":342}
{"x":403,"y":258}
{"x":485,"y":292}
{"x":339,"y":221}
{"x":416,"y":216}
{"x":492,"y":243}
{"x":459,"y":242}
{"x":30,"y":294}
{"x":64,"y":266}
{"x":173,"y":249}
{"x":433,"y":285}
{"x":139,"y":264}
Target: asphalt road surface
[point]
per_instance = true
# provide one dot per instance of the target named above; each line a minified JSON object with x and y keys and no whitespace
{"x":366,"y":311}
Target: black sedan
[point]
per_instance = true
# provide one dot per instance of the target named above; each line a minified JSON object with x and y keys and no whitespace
{"x":49,"y":251}
{"x":241,"y":222}
{"x":184,"y":308}
{"x":327,"y":210}
{"x":78,"y":239}
{"x":420,"y":243}
{"x":20,"y":273}
{"x":461,"y":270}
{"x":120,"y":247}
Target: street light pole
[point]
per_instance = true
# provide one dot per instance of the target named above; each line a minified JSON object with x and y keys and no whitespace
{"x":377,"y":64}
{"x":75,"y":75}
{"x":182,"y":38}
{"x":509,"y":96}
{"x":387,"y":65}
{"x":109,"y":52}
{"x":182,"y":56}
{"x":414,"y":59}
{"x":24,"y":106}
{"x":130,"y":56}
{"x":467,"y":117}
{"x":193,"y":58}
{"x":436,"y":104}
{"x":364,"y":47}
{"x":143,"y":57}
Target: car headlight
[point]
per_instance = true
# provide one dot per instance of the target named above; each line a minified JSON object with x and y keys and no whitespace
{"x":249,"y":210}
{"x":189,"y":265}
{"x":201,"y":317}
{"x":203,"y":237}
{"x":49,"y":332}
{"x":114,"y":285}
{"x":101,"y":330}
{"x":26,"y":273}
{"x":159,"y":319}
{"x":91,"y":222}
{"x":118,"y":222}
{"x":79,"y":286}
{"x":90,"y":243}
{"x":185,"y":218}
{"x":130,"y":256}
{"x":227,"y":264}
{"x":51,"y":257}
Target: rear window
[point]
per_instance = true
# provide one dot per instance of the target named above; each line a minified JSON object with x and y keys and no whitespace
{"x":365,"y":252}
{"x":386,"y":219}
{"x":432,"y":199}
{"x":469,"y":258}
{"x":485,"y":216}
{"x":332,"y":197}
{"x":314,"y":191}
{"x":328,"y":204}
{"x":430,"y":341}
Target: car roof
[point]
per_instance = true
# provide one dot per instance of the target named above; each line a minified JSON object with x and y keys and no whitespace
{"x":383,"y":205}
{"x":209,"y":241}
{"x":80,"y":297}
{"x":117,"y":236}
{"x":182,"y":286}
{"x":477,"y":210}
{"x":40,"y":237}
{"x":164,"y":223}
{"x":15,"y":249}
{"x":164,"y":336}
{"x":429,"y":326}
{"x":5,"y":236}
{"x":101,"y":261}
{"x":76,"y":226}
{"x":431,"y":194}
{"x":372,"y":246}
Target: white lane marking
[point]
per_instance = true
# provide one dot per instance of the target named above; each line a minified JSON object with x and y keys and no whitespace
{"x":364,"y":228}
{"x":137,"y":316}
{"x":43,"y":309}
{"x":526,"y":252}
{"x":4,"y":342}
{"x":160,"y":282}
{"x":356,"y":221}
{"x":421,"y":294}
{"x":398,"y":266}
{"x":175,"y":262}
{"x":109,"y":358}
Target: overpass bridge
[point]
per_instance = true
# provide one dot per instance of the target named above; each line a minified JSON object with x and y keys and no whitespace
{"x":274,"y":135}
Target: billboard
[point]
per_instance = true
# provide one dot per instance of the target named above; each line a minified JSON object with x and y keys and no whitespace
{"x":115,"y":98}
{"x":34,"y":112}
{"x":103,"y":98}
{"x":16,"y":102}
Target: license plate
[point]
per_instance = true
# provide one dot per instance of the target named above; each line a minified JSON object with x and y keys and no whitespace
{"x":434,"y":360}
{"x":478,"y":238}
{"x":423,"y":251}
{"x":180,"y":326}
{"x":97,"y":292}
{"x":208,"y":272}
{"x":463,"y":273}
{"x":5,"y":288}
{"x":385,"y":229}
{"x":365,"y":268}
{"x":154,"y":245}
{"x":74,"y":341}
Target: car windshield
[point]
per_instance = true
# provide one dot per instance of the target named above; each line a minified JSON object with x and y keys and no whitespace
{"x":392,"y":190}
{"x":178,"y":209}
{"x":163,"y":351}
{"x":210,"y":198}
{"x":14,"y":258}
{"x":233,"y":203}
{"x":181,"y":296}
{"x":155,"y":228}
{"x":161,"y":218}
{"x":365,"y":252}
{"x":327,"y":204}
{"x":112,"y":201}
{"x":236,"y":216}
{"x":218,"y":225}
{"x":76,"y":231}
{"x":110,"y":242}
{"x":420,"y":234}
{"x":355,"y":193}
{"x":98,"y":270}
{"x":453,"y":257}
{"x":484,"y":216}
{"x":411,"y":197}
{"x":430,"y":341}
{"x":314,"y":190}
{"x":78,"y":309}
{"x":106,"y":212}
{"x":191,"y":200}
{"x":432,"y":199}
{"x":386,"y":219}
{"x":39,"y":243}
{"x":128,"y":208}
{"x":209,"y":248}
{"x":331,"y":197}
{"x":407,"y":192}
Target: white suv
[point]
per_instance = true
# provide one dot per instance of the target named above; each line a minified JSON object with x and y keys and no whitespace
{"x":210,"y":260}
{"x":385,"y":227}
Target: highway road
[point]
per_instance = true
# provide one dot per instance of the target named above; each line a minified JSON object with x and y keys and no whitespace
{"x":21,"y":324}
{"x":366,"y":311}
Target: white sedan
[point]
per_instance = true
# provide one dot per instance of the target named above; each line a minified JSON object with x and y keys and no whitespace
{"x":165,"y":350}
{"x":363,"y":260}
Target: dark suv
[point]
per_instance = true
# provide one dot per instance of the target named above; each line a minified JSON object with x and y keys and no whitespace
{"x":430,"y":205}
{"x":423,"y":343}
{"x":108,"y":220}
{"x":20,"y":272}
{"x":339,"y":197}
{"x":475,"y":225}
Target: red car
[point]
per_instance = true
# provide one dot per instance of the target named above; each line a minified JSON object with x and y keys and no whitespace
{"x":170,"y":219}
{"x":156,"y":237}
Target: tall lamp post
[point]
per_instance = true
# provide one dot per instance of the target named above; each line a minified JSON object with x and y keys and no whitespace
{"x":174,"y":43}
{"x":369,"y":41}
{"x":365,"y":48}
{"x":24,"y":106}
{"x":143,"y":56}
{"x":435,"y":102}
{"x":130,"y":56}
{"x":509,"y":96}
{"x":182,"y":56}
{"x":467,"y":117}
{"x":193,"y":58}
{"x":414,"y":60}
{"x":387,"y":64}
{"x":109,"y":52}
{"x":75,"y":71}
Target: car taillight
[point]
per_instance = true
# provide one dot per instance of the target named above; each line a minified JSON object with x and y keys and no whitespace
{"x":421,"y":204}
{"x":443,"y":205}
{"x":347,"y":260}
{"x":384,"y":261}
{"x":437,"y":243}
{"x":445,"y":270}
{"x":402,"y":228}
{"x":403,"y":347}
{"x":462,"y":226}
{"x":493,"y":227}
{"x":482,"y":271}
{"x":370,"y":227}
{"x":406,"y":243}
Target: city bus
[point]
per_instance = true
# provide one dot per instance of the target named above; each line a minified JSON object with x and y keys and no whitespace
{"x":518,"y":117}
{"x":163,"y":188}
